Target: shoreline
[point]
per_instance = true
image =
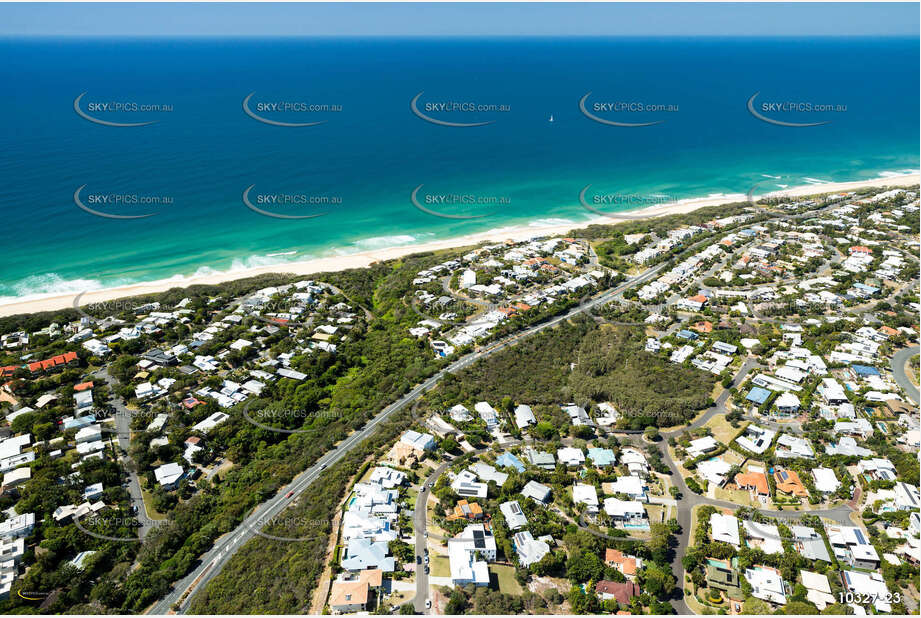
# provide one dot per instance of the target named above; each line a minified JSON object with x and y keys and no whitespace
{"x":361,"y":259}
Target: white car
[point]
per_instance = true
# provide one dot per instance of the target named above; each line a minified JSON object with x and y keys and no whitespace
{"x":428,"y":604}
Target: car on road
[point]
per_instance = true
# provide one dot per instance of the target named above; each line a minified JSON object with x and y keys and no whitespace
{"x":426,"y":570}
{"x":430,"y":485}
{"x":418,"y":559}
{"x":323,"y":467}
{"x":426,"y":560}
{"x":425,"y":534}
{"x":289,"y":494}
{"x":428,"y":604}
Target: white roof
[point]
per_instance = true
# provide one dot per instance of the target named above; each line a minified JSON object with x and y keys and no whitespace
{"x":815,"y":581}
{"x":724,"y":528}
{"x":787,"y":400}
{"x":825,"y":480}
{"x":168,"y":474}
{"x":585,"y":494}
{"x":623,"y":508}
{"x":514,"y":517}
{"x":768,"y":534}
{"x":630,"y":485}
{"x":767,"y":584}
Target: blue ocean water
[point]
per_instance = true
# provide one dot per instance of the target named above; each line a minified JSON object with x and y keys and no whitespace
{"x":373,"y":152}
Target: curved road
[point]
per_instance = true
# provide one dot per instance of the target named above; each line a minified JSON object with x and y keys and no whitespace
{"x":899,"y":359}
{"x":223,"y":549}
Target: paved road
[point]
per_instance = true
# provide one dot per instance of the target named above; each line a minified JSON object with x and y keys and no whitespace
{"x":719,"y":406}
{"x":123,"y":432}
{"x":898,"y":371}
{"x":687,"y":503}
{"x":214,"y":560}
{"x":419,"y":526}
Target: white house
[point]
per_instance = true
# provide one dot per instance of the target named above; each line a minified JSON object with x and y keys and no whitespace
{"x":825,"y":480}
{"x":587,"y":495}
{"x":725,"y":528}
{"x":169,"y":475}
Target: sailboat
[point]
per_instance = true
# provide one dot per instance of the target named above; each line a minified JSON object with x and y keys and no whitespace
{"x":551,"y":118}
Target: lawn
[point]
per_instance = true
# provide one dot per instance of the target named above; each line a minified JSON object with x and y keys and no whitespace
{"x":506,"y":577}
{"x":654,"y":512}
{"x":733,"y":458}
{"x":738,"y":496}
{"x":439,"y":566}
{"x":152,"y":513}
{"x":722,"y":430}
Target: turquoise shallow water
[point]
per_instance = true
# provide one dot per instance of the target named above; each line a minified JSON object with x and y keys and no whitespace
{"x":205,"y":151}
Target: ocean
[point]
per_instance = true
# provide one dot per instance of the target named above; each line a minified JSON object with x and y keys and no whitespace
{"x":360,"y":165}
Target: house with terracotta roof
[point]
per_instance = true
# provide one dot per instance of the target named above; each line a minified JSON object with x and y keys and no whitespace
{"x":622,"y":592}
{"x":348,"y":597}
{"x":55,"y":362}
{"x":694,"y":303}
{"x":788,"y":482}
{"x":466,"y":510}
{"x":627,"y":565}
{"x":704,"y":326}
{"x":888,"y":331}
{"x":753,"y":481}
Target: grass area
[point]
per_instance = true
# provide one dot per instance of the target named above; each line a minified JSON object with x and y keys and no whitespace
{"x":694,"y":512}
{"x":733,"y":458}
{"x":439,"y":566}
{"x":722,"y":430}
{"x":911,"y":370}
{"x":693,"y":604}
{"x":152,"y":513}
{"x":506,"y":576}
{"x":398,"y":598}
{"x":738,"y":496}
{"x":654,"y":512}
{"x":717,"y":390}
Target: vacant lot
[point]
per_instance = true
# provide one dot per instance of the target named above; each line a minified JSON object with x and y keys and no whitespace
{"x":722,"y":430}
{"x":506,"y":578}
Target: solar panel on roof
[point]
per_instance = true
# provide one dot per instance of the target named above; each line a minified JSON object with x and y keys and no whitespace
{"x":860,"y":538}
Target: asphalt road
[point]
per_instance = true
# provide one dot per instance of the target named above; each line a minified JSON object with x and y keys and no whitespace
{"x":419,"y":526}
{"x":223,"y":549}
{"x":123,"y":432}
{"x":898,"y":371}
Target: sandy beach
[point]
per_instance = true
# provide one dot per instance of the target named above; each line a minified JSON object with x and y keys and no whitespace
{"x":365,"y":258}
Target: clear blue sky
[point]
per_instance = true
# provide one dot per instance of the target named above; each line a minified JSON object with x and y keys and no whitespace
{"x":471,"y":19}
